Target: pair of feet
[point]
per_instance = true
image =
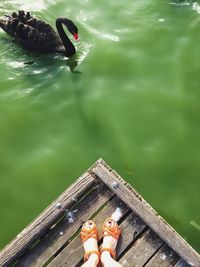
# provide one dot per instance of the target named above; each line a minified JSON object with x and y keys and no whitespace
{"x":106,"y":256}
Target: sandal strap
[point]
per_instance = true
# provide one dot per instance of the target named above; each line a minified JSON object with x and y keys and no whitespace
{"x":86,"y":234}
{"x":112,"y":252}
{"x":113,"y":231}
{"x":87,"y":254}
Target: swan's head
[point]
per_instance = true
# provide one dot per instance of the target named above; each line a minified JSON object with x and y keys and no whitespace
{"x":71,"y":27}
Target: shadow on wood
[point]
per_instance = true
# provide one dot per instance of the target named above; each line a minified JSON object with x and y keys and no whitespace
{"x":52,"y":239}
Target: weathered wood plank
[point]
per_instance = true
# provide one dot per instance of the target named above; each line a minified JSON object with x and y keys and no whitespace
{"x":146,"y":212}
{"x":75,"y":248}
{"x":165,"y":257}
{"x":132,"y":227}
{"x":142,"y":250}
{"x":62,"y":232}
{"x":138,"y":245}
{"x":182,"y":263}
{"x":44,"y":220}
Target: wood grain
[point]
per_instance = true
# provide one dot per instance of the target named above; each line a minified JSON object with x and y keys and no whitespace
{"x":62,"y":232}
{"x":131,"y":228}
{"x":182,"y":263}
{"x":52,"y":240}
{"x":75,"y":247}
{"x":143,"y":249}
{"x":44,"y":220}
{"x":146,"y":212}
{"x":165,"y":257}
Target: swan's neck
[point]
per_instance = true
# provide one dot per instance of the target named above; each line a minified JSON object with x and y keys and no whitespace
{"x":69,"y":47}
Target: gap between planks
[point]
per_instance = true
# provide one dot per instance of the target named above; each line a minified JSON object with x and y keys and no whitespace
{"x":75,"y":247}
{"x":62,"y":233}
{"x":132,"y":198}
{"x":45,"y":220}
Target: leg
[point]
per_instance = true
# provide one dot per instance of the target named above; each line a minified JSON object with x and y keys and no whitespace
{"x":91,"y":262}
{"x":111,"y":234}
{"x":89,"y":239}
{"x":108,"y":261}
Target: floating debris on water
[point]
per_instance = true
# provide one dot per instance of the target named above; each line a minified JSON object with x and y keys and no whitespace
{"x":61,"y":233}
{"x":161,"y":20}
{"x":117,"y":214}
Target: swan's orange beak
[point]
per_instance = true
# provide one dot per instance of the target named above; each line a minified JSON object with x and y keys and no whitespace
{"x":76,"y":36}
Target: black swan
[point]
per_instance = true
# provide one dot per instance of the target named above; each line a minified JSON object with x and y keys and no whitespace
{"x":38,"y":36}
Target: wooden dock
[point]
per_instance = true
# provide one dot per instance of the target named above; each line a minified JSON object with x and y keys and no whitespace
{"x":53,"y":240}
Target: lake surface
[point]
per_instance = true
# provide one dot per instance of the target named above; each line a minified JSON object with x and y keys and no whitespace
{"x":132,"y":100}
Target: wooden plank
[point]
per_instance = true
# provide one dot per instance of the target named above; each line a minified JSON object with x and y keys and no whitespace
{"x":75,"y":248}
{"x":165,"y":257}
{"x":182,"y":263}
{"x":44,"y":220}
{"x":61,"y":233}
{"x":146,"y":212}
{"x":143,"y":249}
{"x":131,"y":228}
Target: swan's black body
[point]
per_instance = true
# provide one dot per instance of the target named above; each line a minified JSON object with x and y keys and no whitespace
{"x":38,"y":36}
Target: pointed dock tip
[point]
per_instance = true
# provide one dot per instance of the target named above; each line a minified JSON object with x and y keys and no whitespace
{"x":100,"y":160}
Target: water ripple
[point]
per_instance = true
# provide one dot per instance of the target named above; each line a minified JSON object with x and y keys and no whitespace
{"x":25,"y":5}
{"x":196,"y":7}
{"x":101,"y":35}
{"x":83,"y":50}
{"x":83,"y":17}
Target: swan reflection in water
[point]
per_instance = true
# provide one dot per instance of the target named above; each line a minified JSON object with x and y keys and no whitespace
{"x":72,"y":63}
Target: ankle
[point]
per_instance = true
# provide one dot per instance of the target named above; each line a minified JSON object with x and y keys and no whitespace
{"x":93,"y":258}
{"x":105,"y":255}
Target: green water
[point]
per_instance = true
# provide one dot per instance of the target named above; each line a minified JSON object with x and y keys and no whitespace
{"x":134,"y":100}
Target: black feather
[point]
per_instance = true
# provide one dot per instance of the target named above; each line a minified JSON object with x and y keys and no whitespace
{"x":37,"y":35}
